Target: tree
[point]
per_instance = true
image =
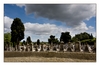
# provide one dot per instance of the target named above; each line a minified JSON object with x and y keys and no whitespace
{"x":49,"y":41}
{"x":23,"y":43}
{"x":91,"y":36}
{"x":56,"y":41}
{"x":74,"y":39}
{"x":65,"y":37}
{"x":38,"y":42}
{"x":7,"y":39}
{"x":53,"y":40}
{"x":17,"y":31}
{"x":82,"y":36}
{"x":29,"y":40}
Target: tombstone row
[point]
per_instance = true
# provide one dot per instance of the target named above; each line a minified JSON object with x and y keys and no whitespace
{"x":70,"y":47}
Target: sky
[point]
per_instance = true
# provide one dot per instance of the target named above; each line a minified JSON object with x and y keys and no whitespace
{"x":42,"y":20}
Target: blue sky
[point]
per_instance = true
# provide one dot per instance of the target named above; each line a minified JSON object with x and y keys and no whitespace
{"x":41,"y":21}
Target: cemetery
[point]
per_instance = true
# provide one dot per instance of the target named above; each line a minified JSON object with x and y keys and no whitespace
{"x":70,"y":47}
{"x":80,"y":48}
{"x":62,"y":51}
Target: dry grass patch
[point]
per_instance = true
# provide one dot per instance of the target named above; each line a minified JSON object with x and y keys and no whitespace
{"x":49,"y":57}
{"x":43,"y":59}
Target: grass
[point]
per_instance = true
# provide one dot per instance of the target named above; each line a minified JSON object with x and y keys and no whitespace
{"x":50,"y":56}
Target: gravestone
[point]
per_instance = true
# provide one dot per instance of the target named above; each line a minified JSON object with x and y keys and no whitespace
{"x":82,"y":47}
{"x":44,"y":48}
{"x":89,"y":48}
{"x":54,"y":47}
{"x":36,"y":47}
{"x":48,"y":47}
{"x":61,"y":45}
{"x":72,"y":47}
{"x":10,"y":48}
{"x":51,"y":48}
{"x":57,"y":48}
{"x":69,"y":47}
{"x":24,"y":48}
{"x":20,"y":48}
{"x":94,"y":48}
{"x":39,"y":48}
{"x":86,"y":48}
{"x":28,"y":48}
{"x":77,"y":46}
{"x":65,"y":47}
{"x":33,"y":48}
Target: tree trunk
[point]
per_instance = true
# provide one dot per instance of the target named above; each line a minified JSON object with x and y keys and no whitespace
{"x":18,"y":45}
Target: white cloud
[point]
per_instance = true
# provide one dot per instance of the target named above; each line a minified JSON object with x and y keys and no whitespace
{"x":7,"y":23}
{"x":20,"y":5}
{"x":90,"y":27}
{"x":81,"y":27}
{"x":43,"y":31}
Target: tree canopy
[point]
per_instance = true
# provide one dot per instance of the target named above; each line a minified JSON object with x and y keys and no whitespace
{"x":17,"y":31}
{"x":65,"y":37}
{"x":53,"y":40}
{"x":82,"y":36}
{"x":38,"y":42}
{"x":29,"y":40}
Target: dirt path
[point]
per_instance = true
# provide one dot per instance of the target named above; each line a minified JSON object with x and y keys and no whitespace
{"x":43,"y":59}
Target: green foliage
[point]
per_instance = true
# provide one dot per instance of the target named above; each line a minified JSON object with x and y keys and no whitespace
{"x":82,"y":36}
{"x":88,"y":41}
{"x":65,"y":37}
{"x":17,"y":31}
{"x":56,"y":41}
{"x":7,"y":38}
{"x":38,"y":42}
{"x":85,"y":38}
{"x":29,"y":40}
{"x":91,"y":36}
{"x":53,"y":40}
{"x":23,"y":43}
